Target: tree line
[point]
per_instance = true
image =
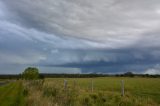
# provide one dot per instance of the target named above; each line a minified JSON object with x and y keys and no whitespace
{"x":32,"y":73}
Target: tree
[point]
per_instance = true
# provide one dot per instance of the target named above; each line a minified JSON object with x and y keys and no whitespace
{"x":30,"y":73}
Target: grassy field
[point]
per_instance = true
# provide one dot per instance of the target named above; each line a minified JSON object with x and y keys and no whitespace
{"x":106,"y":92}
{"x":11,"y":94}
{"x":79,"y":92}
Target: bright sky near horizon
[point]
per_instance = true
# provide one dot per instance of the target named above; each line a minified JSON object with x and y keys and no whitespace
{"x":80,"y":36}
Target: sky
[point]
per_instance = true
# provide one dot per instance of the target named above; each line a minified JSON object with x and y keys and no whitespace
{"x":80,"y":36}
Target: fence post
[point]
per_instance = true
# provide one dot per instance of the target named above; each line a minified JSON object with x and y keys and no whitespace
{"x":65,"y":84}
{"x":122,"y":88}
{"x":74,"y":84}
{"x":92,"y":85}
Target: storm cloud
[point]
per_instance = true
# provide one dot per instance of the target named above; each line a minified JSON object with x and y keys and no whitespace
{"x":67,"y":36}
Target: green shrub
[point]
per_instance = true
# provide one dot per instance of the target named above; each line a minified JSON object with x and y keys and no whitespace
{"x":30,"y":73}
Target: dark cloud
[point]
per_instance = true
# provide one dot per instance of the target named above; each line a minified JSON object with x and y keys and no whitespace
{"x":80,"y":35}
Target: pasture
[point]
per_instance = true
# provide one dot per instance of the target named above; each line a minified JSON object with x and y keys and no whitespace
{"x":82,"y":92}
{"x":94,"y":92}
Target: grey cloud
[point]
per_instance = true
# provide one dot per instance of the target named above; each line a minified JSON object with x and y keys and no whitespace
{"x":154,"y":70}
{"x":114,"y":23}
{"x":17,"y":59}
{"x":8,"y":28}
{"x":115,"y":35}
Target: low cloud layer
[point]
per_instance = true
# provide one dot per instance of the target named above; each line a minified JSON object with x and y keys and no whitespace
{"x":103,"y":36}
{"x":154,"y":70}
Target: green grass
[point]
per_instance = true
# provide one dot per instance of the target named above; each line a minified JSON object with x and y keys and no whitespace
{"x":107,"y":92}
{"x":12,"y":94}
{"x":138,"y":91}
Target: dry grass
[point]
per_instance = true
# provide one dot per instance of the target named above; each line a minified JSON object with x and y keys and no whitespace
{"x":51,"y":92}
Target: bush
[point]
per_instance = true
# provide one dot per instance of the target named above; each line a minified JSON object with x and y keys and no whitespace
{"x":30,"y":73}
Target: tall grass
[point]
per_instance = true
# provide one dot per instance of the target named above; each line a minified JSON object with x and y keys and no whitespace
{"x":107,"y":92}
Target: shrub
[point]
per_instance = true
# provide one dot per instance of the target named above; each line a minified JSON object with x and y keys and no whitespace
{"x":30,"y":73}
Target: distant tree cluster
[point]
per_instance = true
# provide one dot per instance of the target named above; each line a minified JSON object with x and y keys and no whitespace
{"x":127,"y":74}
{"x":10,"y":76}
{"x":45,"y":75}
{"x":130,"y":74}
{"x":32,"y":73}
